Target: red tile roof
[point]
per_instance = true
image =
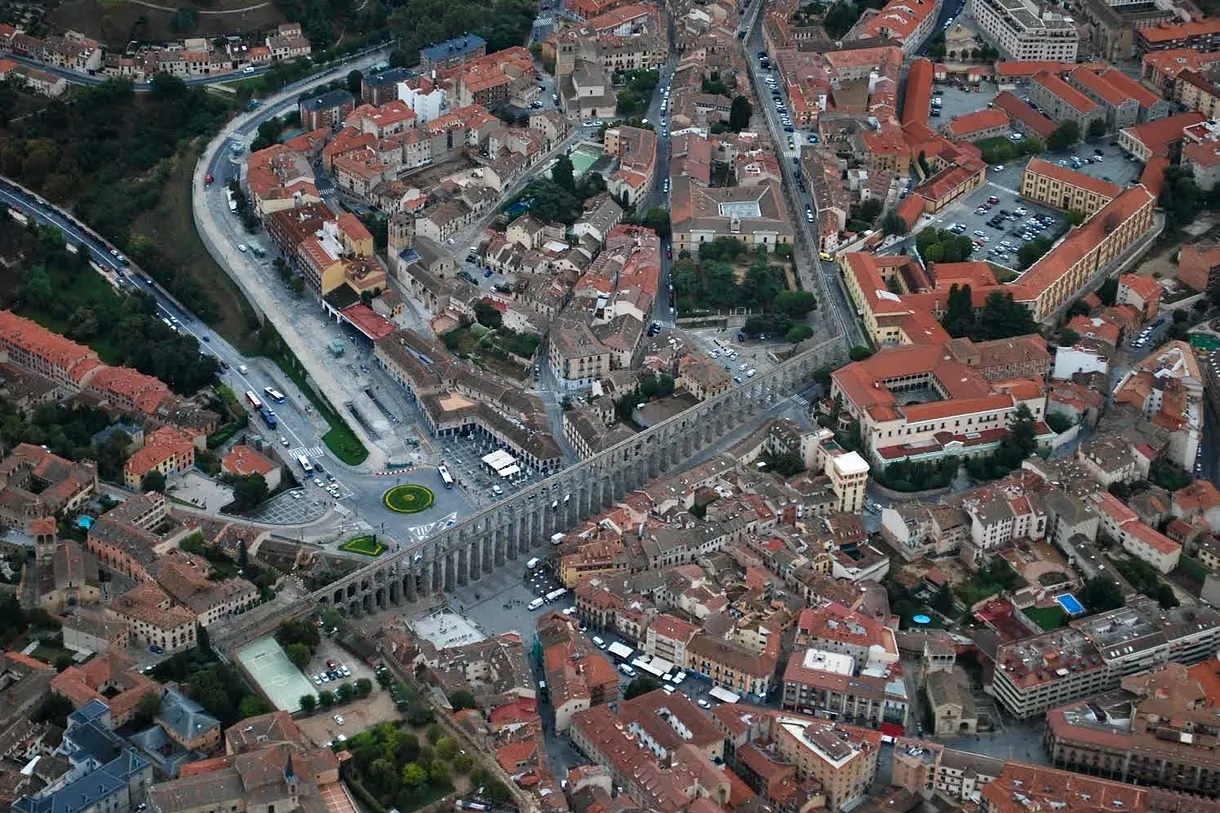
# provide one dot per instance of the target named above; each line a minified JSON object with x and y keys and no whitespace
{"x":979,"y":120}
{"x":1018,"y":110}
{"x":1013,"y":70}
{"x":915,"y":105}
{"x":1065,"y":92}
{"x":1072,"y":178}
{"x":1165,"y":32}
{"x":1160,"y":135}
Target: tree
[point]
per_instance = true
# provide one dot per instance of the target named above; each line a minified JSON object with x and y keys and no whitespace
{"x":446,"y":748}
{"x":252,"y":705}
{"x":1097,"y":129}
{"x":943,"y":602}
{"x":798,"y":334}
{"x":740,"y":114}
{"x":1108,"y":292}
{"x":354,"y":80}
{"x":249,"y":491}
{"x":1075,"y":217}
{"x":1068,"y":337}
{"x":958,"y":320}
{"x":1101,"y":594}
{"x":860,"y":352}
{"x":462,"y":763}
{"x":839,"y":18}
{"x":893,"y":223}
{"x":326,"y":698}
{"x":1064,"y":137}
{"x":299,"y":654}
{"x":414,"y":776}
{"x":794,"y":304}
{"x":564,"y":173}
{"x":657,"y":219}
{"x":152,"y":481}
{"x":641,"y":685}
{"x":1060,"y":421}
{"x":309,"y":702}
{"x":146,"y":709}
{"x":364,"y":687}
{"x":1031,"y":252}
{"x":184,"y":19}
{"x":462,"y":699}
{"x":487,"y":314}
{"x":1002,"y":317}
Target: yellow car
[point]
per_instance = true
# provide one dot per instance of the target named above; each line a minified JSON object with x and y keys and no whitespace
{"x":825,"y":257}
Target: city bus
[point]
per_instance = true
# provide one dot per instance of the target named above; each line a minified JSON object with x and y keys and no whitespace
{"x":253,"y":399}
{"x":446,"y":477}
{"x":306,"y":466}
{"x":274,"y":394}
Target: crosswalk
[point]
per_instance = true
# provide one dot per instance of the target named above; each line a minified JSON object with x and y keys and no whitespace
{"x":801,"y":400}
{"x":308,"y":451}
{"x":422,"y":532}
{"x":1003,"y":188}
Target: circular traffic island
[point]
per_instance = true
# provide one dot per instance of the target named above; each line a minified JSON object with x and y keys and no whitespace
{"x":408,"y":498}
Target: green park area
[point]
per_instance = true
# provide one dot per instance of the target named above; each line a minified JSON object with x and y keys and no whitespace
{"x":408,"y":498}
{"x":364,"y":545}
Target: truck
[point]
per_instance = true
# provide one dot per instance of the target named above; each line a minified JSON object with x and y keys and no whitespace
{"x":555,"y":595}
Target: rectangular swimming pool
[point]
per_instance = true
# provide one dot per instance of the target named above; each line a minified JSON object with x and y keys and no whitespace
{"x":1070,"y":603}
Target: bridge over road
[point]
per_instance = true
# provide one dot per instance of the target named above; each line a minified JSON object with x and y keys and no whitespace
{"x":513,"y":527}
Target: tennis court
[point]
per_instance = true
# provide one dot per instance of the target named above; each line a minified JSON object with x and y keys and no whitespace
{"x":282,"y":682}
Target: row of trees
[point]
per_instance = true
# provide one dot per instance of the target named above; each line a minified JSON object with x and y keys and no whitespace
{"x":943,"y":246}
{"x":343,"y":693}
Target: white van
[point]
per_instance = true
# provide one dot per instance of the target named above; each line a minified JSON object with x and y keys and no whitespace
{"x":598,"y":642}
{"x":669,"y":689}
{"x":626,"y":670}
{"x":533,"y":563}
{"x":536,"y":603}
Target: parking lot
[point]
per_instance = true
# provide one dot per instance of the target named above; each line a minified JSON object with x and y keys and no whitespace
{"x":345,"y":668}
{"x":737,"y":358}
{"x":296,"y":507}
{"x":463,"y":457}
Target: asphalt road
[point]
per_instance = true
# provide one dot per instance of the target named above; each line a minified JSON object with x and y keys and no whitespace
{"x":822,"y":278}
{"x":89,"y":80}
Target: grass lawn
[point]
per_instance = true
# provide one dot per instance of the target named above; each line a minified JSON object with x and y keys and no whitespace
{"x":364,"y":545}
{"x":49,"y":654}
{"x":171,"y":226}
{"x":1048,"y":618}
{"x":408,"y":498}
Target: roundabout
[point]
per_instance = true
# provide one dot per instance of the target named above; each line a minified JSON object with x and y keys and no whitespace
{"x":408,"y":498}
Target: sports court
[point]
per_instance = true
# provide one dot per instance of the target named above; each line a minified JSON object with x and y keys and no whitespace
{"x":275,"y":675}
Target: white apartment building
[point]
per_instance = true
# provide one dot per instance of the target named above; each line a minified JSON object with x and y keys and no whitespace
{"x":1025,"y":32}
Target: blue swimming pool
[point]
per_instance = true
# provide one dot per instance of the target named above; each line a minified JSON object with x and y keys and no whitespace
{"x":1070,"y":603}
